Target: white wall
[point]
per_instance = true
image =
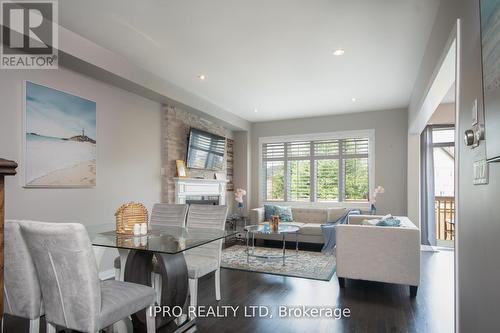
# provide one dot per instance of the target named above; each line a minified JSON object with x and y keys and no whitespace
{"x":478,"y":225}
{"x":391,"y":129}
{"x":414,"y":178}
{"x":242,"y":165}
{"x":128,"y":152}
{"x":444,"y":114}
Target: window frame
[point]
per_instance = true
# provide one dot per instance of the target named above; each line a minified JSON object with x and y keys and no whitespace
{"x":341,"y":202}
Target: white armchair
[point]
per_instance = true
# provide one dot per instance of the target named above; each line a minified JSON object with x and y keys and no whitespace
{"x":373,"y":253}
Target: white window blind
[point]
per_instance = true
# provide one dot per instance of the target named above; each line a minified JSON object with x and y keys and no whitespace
{"x":331,"y":170}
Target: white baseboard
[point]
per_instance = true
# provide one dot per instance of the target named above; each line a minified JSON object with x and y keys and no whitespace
{"x":106,"y":275}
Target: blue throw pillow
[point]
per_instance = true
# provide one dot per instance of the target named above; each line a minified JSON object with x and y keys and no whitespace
{"x":285,"y":213}
{"x":268,"y":212}
{"x":389,"y":222}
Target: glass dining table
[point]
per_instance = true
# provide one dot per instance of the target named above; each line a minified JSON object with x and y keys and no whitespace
{"x":163,"y":247}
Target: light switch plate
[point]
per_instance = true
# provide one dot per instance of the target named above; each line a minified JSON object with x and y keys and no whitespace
{"x":480,"y":169}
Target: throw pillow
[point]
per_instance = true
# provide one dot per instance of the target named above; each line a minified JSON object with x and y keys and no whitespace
{"x":268,"y":212}
{"x":285,"y":213}
{"x":389,"y":222}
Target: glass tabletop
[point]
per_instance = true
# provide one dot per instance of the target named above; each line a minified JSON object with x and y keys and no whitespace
{"x":264,"y":228}
{"x":161,"y":239}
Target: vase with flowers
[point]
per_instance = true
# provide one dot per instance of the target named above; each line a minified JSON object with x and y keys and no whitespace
{"x":239,"y":197}
{"x":378,"y":190}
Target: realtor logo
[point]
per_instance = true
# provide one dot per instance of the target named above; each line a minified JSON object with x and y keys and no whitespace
{"x":29,"y":35}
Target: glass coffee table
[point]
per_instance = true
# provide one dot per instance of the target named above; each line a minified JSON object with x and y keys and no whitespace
{"x":283,"y":230}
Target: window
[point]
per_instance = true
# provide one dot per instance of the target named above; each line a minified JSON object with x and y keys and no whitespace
{"x":316,"y":170}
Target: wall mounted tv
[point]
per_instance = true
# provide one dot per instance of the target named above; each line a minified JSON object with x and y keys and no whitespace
{"x":205,"y":150}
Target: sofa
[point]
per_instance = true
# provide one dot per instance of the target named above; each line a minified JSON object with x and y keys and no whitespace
{"x":308,"y":219}
{"x":376,"y":253}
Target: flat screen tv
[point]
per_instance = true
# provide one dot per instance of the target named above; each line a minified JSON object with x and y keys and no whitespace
{"x":205,"y":150}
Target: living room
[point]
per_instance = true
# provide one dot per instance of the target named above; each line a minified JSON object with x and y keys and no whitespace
{"x":249,"y":166}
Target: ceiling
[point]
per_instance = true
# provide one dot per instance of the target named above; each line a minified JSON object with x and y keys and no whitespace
{"x":273,"y":56}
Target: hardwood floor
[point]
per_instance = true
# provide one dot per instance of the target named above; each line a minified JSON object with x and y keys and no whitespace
{"x":374,"y":307}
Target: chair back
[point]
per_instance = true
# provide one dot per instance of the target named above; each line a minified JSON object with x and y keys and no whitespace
{"x":206,"y":216}
{"x":169,"y":214}
{"x":67,"y":272}
{"x":22,"y":295}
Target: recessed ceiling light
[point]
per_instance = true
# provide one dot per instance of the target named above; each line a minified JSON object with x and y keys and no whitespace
{"x":353,"y":99}
{"x":255,"y":110}
{"x":201,"y":76}
{"x":338,"y":52}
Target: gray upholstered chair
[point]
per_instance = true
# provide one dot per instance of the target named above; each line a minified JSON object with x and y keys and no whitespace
{"x":172,"y":215}
{"x":22,"y":295}
{"x":169,"y":214}
{"x":72,"y":293}
{"x":206,"y":258}
{"x":162,"y":214}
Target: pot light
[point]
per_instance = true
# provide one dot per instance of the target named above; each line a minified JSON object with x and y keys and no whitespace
{"x":338,"y":52}
{"x":201,"y":77}
{"x":255,"y":110}
{"x":353,"y":99}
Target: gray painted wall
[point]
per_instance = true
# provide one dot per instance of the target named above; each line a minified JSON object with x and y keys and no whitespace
{"x":128,"y":152}
{"x":390,"y":148}
{"x":478,"y":225}
{"x":242,"y":165}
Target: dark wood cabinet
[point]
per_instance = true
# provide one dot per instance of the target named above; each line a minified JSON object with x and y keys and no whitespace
{"x":7,"y":168}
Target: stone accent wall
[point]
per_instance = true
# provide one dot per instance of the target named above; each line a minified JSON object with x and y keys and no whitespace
{"x":175,"y":132}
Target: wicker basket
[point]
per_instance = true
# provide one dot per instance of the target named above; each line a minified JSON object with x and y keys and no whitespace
{"x":129,"y":214}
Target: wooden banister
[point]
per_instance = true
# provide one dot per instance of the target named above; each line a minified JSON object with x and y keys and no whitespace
{"x":7,"y":168}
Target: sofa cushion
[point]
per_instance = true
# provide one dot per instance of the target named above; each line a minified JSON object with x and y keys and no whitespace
{"x":310,"y":215}
{"x":311,"y":229}
{"x":335,"y":213}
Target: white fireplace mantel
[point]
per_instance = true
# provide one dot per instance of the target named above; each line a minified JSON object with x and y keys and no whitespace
{"x":186,"y":187}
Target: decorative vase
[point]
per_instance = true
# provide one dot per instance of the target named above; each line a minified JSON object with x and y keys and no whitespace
{"x":373,"y":209}
{"x":274,"y":223}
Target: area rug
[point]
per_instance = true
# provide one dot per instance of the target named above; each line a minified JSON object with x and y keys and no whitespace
{"x":308,"y":264}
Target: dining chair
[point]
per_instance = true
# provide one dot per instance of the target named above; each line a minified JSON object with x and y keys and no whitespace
{"x":173,"y":215}
{"x":22,"y":295}
{"x":162,"y":214}
{"x":205,"y":259}
{"x":169,"y":214}
{"x":72,"y":293}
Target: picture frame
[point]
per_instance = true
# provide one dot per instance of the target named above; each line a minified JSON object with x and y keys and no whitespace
{"x":59,"y":138}
{"x":181,"y":168}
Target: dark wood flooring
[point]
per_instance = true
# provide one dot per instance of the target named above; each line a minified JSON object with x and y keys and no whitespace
{"x":374,"y":307}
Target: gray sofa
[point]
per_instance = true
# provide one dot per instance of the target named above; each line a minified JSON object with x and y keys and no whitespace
{"x":308,"y":219}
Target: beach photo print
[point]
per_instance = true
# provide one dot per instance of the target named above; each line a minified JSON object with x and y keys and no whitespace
{"x":60,"y":138}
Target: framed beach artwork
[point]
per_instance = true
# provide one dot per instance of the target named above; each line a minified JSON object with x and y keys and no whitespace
{"x":59,"y":138}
